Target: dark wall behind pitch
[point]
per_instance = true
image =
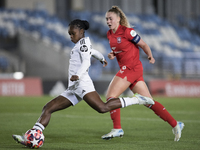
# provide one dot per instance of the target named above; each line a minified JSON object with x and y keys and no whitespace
{"x":100,"y":86}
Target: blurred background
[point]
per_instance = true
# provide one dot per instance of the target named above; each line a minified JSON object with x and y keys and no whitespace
{"x":34,"y":44}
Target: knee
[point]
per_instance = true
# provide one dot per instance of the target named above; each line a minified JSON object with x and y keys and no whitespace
{"x":102,"y":109}
{"x":46,"y":108}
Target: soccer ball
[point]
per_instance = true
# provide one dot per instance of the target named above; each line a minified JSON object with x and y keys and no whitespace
{"x":34,"y":138}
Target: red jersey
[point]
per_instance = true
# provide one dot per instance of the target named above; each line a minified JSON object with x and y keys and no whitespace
{"x":123,"y":44}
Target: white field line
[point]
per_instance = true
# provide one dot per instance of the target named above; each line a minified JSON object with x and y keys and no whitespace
{"x":100,"y":116}
{"x":127,"y":118}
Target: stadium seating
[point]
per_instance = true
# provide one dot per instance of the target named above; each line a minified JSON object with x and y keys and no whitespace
{"x":172,"y":45}
{"x":4,"y":64}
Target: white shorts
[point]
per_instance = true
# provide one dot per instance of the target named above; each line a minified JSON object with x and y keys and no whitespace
{"x":76,"y":92}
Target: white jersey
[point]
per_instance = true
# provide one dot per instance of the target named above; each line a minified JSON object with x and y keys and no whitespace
{"x":79,"y":64}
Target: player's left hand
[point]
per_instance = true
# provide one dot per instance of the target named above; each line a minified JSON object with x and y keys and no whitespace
{"x":74,"y":78}
{"x":105,"y":63}
{"x":151,"y":60}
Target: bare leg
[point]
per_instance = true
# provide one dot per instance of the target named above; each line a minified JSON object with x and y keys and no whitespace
{"x":115,"y":89}
{"x":56,"y":104}
{"x":142,"y":89}
{"x":93,"y":100}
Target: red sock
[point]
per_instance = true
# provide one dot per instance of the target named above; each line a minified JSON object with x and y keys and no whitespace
{"x":115,"y":116}
{"x":160,"y":110}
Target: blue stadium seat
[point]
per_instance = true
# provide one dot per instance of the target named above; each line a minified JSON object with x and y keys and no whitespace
{"x":4,"y":63}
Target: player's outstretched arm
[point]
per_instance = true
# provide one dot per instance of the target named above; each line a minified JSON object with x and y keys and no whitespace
{"x":147,"y":50}
{"x":96,"y":54}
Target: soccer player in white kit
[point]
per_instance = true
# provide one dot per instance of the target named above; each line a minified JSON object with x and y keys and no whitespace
{"x":80,"y":84}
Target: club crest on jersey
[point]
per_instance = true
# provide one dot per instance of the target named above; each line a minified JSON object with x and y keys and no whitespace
{"x":84,"y":48}
{"x":118,"y":39}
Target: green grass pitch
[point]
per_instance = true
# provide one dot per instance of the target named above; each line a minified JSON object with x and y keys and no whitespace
{"x":81,"y":128}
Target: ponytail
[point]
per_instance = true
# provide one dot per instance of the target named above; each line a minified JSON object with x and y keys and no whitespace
{"x":123,"y":19}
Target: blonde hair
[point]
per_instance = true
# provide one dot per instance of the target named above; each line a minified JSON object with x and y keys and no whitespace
{"x":123,"y":19}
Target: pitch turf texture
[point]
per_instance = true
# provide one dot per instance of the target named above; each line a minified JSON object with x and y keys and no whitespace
{"x":81,"y":128}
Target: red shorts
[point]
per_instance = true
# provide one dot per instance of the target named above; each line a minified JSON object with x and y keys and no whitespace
{"x":133,"y":75}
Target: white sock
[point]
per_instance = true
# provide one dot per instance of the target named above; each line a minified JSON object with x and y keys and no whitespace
{"x":127,"y":101}
{"x":39,"y":126}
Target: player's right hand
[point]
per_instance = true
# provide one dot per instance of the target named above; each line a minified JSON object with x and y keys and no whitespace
{"x":111,"y":55}
{"x":151,"y":60}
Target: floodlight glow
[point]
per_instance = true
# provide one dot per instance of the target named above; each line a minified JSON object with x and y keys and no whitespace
{"x":18,"y":75}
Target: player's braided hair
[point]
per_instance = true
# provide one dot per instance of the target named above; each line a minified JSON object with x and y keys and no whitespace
{"x":123,"y":19}
{"x":82,"y":24}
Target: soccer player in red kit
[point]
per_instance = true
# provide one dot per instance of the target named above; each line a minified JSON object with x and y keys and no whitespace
{"x":125,"y":43}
